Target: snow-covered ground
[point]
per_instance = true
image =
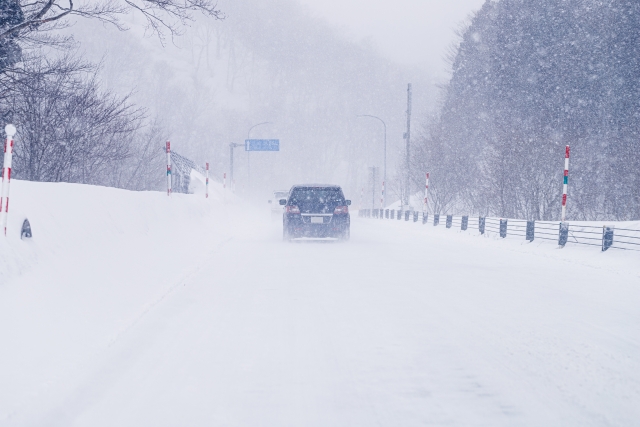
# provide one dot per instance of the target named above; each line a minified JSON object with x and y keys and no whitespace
{"x":135,"y":309}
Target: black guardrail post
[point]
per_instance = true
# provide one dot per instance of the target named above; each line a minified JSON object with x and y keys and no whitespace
{"x":436,"y":219}
{"x":386,"y":213}
{"x":563,"y":235}
{"x":415,"y":216}
{"x":503,"y":228}
{"x":399,"y":215}
{"x":425,"y":217}
{"x":465,"y":223}
{"x":406,"y":215}
{"x":607,"y":237}
{"x":392,"y":214}
{"x":481,"y":224}
{"x":531,"y":230}
{"x":26,"y":230}
{"x":449,"y":221}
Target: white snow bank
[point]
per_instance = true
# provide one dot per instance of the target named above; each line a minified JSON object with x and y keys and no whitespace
{"x":98,"y":259}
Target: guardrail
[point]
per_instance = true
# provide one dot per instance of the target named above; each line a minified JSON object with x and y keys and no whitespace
{"x":605,"y":237}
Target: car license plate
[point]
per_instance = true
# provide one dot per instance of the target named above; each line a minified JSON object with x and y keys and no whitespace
{"x":317,"y":220}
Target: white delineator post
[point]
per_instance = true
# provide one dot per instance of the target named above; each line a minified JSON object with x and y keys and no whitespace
{"x":10,"y":130}
{"x":168,"y":168}
{"x":565,"y":184}
{"x":426,"y":194}
{"x":207,"y":183}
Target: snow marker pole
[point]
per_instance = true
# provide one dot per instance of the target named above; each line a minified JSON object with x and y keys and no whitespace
{"x":224,"y":181}
{"x":382,"y":198}
{"x":426,"y":192}
{"x":565,"y":183}
{"x":10,"y":130}
{"x":207,"y":182}
{"x":361,"y":198}
{"x":168,"y":168}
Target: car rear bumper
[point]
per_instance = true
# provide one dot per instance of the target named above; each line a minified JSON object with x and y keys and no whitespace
{"x":298,"y":226}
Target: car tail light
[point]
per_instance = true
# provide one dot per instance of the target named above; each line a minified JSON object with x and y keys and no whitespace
{"x":293,"y":210}
{"x":341,"y":210}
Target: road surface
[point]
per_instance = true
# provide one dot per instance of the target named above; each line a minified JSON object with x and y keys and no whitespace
{"x":405,"y":325}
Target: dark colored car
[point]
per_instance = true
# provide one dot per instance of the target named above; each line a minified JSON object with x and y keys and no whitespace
{"x":316,"y":211}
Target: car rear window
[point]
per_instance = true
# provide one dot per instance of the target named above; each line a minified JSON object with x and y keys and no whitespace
{"x":316,"y":199}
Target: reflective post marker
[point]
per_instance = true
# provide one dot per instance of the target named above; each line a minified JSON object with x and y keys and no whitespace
{"x":426,"y":192}
{"x":168,"y":168}
{"x":10,"y":130}
{"x":206,"y":195}
{"x":565,"y":183}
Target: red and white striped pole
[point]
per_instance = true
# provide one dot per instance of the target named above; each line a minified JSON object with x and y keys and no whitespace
{"x":565,"y":184}
{"x":168,"y":168}
{"x":382,"y":197}
{"x":10,"y":130}
{"x":207,"y":182}
{"x":426,"y":193}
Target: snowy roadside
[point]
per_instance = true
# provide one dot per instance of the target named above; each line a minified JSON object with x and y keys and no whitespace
{"x":100,"y":258}
{"x":614,"y":260}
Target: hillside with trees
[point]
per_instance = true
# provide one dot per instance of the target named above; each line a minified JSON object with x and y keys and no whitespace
{"x":527,"y":79}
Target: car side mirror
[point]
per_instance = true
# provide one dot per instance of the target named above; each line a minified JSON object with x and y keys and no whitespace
{"x":269,"y":201}
{"x":283,"y":202}
{"x":348,"y":202}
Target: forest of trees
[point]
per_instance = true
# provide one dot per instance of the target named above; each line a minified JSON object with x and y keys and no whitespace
{"x":70,"y":127}
{"x":527,"y":79}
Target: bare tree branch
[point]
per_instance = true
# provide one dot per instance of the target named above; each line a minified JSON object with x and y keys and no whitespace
{"x":162,"y":16}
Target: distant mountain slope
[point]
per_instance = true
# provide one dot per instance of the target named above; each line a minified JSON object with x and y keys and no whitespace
{"x":268,"y":61}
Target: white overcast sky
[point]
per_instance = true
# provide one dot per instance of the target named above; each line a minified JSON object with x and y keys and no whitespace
{"x":415,"y":32}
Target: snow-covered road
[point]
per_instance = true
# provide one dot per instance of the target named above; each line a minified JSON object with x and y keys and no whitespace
{"x":405,"y":325}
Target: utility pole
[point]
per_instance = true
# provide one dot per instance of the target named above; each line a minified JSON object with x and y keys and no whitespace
{"x":374,"y":171}
{"x":407,"y":183}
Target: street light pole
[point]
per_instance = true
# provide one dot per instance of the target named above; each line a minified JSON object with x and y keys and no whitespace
{"x":384,"y":179}
{"x":407,"y":188}
{"x":249,"y":152}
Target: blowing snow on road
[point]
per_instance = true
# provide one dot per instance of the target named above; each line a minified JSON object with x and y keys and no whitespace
{"x":224,"y":324}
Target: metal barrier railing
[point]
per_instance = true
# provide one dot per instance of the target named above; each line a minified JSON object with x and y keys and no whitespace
{"x":573,"y":233}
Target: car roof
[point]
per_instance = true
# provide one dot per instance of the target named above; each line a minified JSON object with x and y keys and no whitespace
{"x":316,"y":186}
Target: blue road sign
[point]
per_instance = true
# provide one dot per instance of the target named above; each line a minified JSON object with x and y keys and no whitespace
{"x":262,"y":145}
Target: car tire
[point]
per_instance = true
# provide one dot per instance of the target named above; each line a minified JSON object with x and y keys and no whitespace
{"x":286,"y":237}
{"x":346,"y":234}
